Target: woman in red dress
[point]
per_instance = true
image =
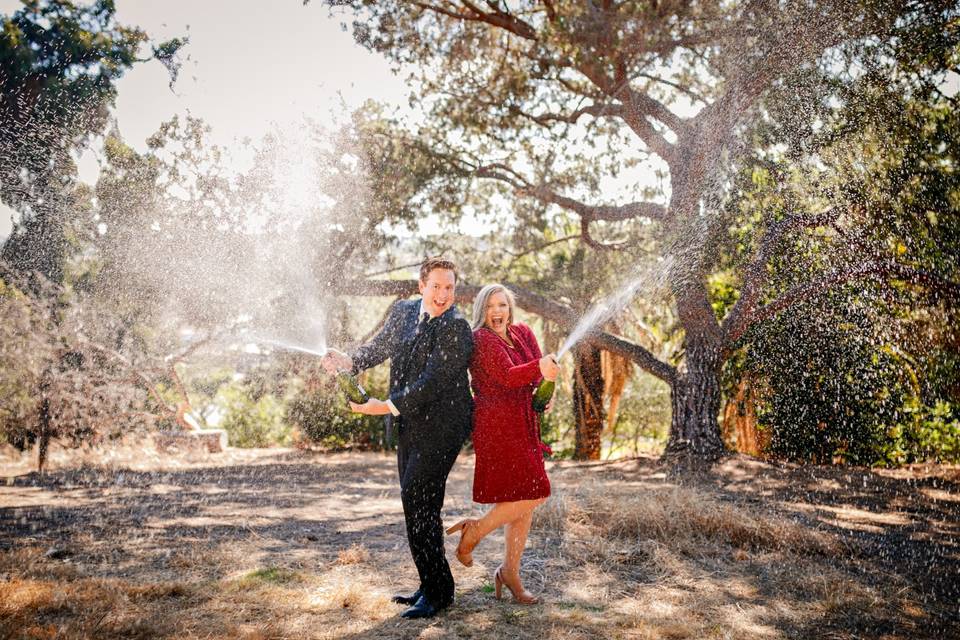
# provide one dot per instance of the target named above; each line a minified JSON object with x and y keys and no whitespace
{"x":506,"y":367}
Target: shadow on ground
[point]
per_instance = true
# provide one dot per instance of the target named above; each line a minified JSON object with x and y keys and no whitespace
{"x":301,"y":545}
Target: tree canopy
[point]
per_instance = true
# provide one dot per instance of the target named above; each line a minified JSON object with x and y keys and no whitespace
{"x":541,"y":101}
{"x":60,"y":65}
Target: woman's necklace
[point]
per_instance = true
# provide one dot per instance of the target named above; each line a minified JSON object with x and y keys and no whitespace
{"x":506,"y":337}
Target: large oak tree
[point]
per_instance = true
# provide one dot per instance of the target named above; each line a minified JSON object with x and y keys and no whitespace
{"x":513,"y":92}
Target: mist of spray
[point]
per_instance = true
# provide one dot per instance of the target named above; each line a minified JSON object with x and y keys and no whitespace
{"x":256,"y":258}
{"x":649,"y":281}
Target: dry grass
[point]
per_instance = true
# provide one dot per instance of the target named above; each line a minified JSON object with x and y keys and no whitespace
{"x":679,"y":562}
{"x":639,"y":560}
{"x":687,"y":520}
{"x":355,"y":554}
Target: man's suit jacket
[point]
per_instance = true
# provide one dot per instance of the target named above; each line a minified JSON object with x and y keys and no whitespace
{"x":428,"y":369}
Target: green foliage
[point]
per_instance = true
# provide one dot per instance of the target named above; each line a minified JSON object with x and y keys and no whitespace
{"x":264,"y":576}
{"x":925,"y":433}
{"x":642,"y":422}
{"x":556,"y":426}
{"x":827,"y":393}
{"x":643,"y":419}
{"x":252,"y":421}
{"x":277,"y":575}
{"x":54,"y":382}
{"x":832,"y":391}
{"x":60,"y":63}
{"x":22,"y":356}
{"x":864,"y":375}
{"x":322,"y":415}
{"x":723,"y":292}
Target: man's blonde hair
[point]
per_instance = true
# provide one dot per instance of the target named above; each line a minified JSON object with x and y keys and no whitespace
{"x":437,"y":263}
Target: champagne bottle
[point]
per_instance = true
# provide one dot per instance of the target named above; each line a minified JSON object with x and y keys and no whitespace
{"x":351,"y":388}
{"x":541,"y":397}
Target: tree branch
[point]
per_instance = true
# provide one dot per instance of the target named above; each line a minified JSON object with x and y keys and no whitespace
{"x":634,"y":352}
{"x":517,"y":256}
{"x":498,"y":18}
{"x":756,"y":275}
{"x":562,"y":315}
{"x":808,"y":290}
{"x":591,"y":213}
{"x":595,"y":110}
{"x":608,"y":213}
{"x":596,"y":244}
{"x":588,"y":213}
{"x":648,"y":106}
{"x":636,"y":108}
{"x":687,"y":91}
{"x":503,"y":173}
{"x":550,"y":9}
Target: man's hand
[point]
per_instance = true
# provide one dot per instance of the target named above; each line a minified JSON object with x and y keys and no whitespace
{"x":549,"y":406}
{"x":371,"y":407}
{"x":336,"y":360}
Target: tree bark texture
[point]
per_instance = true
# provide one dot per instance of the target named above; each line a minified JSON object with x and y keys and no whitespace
{"x":695,"y":397}
{"x":587,"y":401}
{"x":740,"y":430}
{"x":43,"y":422}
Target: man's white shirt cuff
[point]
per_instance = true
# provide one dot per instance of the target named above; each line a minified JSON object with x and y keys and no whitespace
{"x":393,"y":409}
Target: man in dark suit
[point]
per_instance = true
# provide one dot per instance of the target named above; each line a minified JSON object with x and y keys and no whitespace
{"x":429,"y":345}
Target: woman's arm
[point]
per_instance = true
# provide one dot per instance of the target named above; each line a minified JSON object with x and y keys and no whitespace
{"x":492,"y":358}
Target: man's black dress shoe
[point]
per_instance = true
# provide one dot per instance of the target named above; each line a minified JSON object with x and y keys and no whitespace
{"x":420,"y":609}
{"x":407,"y":600}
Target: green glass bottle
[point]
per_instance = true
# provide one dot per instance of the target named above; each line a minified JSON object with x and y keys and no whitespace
{"x":351,"y":388}
{"x":541,"y":397}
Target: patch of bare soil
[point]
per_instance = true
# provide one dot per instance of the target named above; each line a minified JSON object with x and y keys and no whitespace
{"x":284,"y":544}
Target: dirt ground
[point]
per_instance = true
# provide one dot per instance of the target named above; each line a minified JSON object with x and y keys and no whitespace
{"x":284,"y":544}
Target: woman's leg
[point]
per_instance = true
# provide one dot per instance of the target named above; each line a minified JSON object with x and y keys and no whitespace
{"x":503,"y":513}
{"x":499,"y":515}
{"x":515,"y":538}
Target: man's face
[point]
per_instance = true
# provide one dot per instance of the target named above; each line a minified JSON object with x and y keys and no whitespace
{"x":437,"y":291}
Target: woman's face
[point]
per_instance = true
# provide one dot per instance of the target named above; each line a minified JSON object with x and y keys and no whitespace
{"x":498,"y":312}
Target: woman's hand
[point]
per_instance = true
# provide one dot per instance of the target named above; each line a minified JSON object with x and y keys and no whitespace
{"x":549,"y":368}
{"x":371,"y":407}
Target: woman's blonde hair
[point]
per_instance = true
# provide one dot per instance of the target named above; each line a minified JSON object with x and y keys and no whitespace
{"x":480,"y":303}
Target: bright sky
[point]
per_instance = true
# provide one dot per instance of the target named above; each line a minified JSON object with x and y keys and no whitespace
{"x":252,"y":64}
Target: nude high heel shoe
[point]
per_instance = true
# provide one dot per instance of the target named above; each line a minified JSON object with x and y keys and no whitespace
{"x":522,"y":598}
{"x":466,"y":528}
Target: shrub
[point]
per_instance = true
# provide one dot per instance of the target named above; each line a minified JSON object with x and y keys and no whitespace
{"x":55,"y":382}
{"x":833,"y":388}
{"x":322,"y":415}
{"x":250,"y":421}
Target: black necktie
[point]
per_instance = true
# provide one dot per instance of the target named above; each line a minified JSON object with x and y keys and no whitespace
{"x":424,"y":319}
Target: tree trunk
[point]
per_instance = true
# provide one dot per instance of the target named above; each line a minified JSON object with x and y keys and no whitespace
{"x":695,"y":396}
{"x":43,"y":421}
{"x":587,"y":401}
{"x":695,"y":392}
{"x":616,"y":373}
{"x":740,"y":430}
